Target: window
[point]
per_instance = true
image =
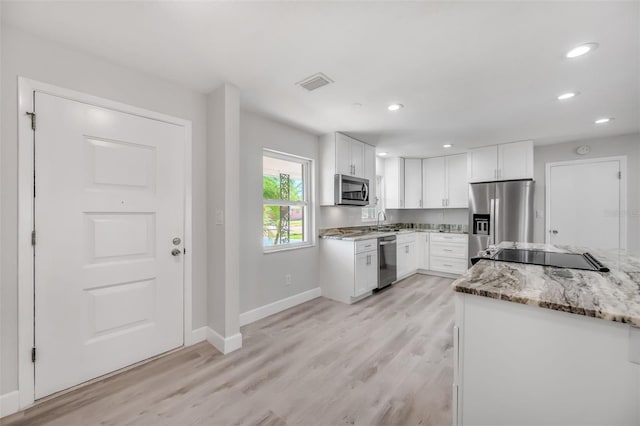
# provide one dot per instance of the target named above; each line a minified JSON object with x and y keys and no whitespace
{"x":286,"y":216}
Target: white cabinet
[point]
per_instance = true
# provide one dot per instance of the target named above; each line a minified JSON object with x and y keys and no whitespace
{"x":394,"y":183}
{"x":406,"y":255}
{"x":515,"y":160}
{"x":457,"y":186}
{"x":422,"y":250}
{"x":348,"y":269}
{"x":448,"y":252}
{"x":507,"y":161}
{"x":370,"y":172}
{"x":482,"y":164}
{"x":342,"y":154}
{"x":412,"y":183}
{"x":366,"y":272}
{"x":444,"y":183}
{"x":433,"y":184}
{"x":349,"y":156}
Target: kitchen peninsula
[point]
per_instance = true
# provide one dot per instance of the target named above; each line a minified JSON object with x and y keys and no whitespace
{"x":565,"y":351}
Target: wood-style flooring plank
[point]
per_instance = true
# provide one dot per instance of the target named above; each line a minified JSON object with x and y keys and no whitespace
{"x":386,"y":360}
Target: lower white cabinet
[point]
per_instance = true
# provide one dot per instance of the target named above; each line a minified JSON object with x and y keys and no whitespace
{"x":448,"y":253}
{"x":366,"y":273}
{"x":406,"y":254}
{"x":348,"y":269}
{"x":422,"y":248}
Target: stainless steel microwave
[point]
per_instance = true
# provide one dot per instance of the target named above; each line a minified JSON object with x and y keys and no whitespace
{"x":351,"y":191}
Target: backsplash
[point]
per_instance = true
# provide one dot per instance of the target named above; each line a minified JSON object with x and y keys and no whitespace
{"x":336,"y":217}
{"x":438,"y":216}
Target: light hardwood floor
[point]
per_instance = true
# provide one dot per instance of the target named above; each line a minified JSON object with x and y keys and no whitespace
{"x":384,"y":360}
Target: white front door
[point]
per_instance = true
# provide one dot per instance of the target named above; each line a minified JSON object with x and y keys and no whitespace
{"x":109,"y":202}
{"x":585,"y":203}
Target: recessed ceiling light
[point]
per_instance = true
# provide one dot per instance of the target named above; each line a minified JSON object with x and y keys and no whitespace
{"x":447,"y":145}
{"x":382,"y":154}
{"x":356,"y":105}
{"x":567,"y":95}
{"x":583,"y":49}
{"x":603,"y":120}
{"x":395,"y":107}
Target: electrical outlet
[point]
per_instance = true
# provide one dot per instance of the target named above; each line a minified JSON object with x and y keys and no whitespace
{"x":219,"y":217}
{"x":287,"y":280}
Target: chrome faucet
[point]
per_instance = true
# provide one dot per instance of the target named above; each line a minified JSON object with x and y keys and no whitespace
{"x":384,"y":216}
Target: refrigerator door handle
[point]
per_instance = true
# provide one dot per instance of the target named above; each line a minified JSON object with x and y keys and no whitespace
{"x":492,"y":223}
{"x":496,"y":236}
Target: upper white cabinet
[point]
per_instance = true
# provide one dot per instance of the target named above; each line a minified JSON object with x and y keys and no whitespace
{"x":412,"y":183}
{"x":444,"y":183}
{"x":394,"y":183}
{"x":342,"y":154}
{"x":456,"y":181}
{"x":482,"y":164}
{"x":515,"y":160}
{"x":349,"y":156}
{"x":507,"y":161}
{"x":433,"y":184}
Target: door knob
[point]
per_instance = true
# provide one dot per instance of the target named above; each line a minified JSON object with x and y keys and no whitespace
{"x":554,"y":231}
{"x":176,"y":252}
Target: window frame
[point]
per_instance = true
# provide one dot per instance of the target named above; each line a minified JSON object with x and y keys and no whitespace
{"x":306,"y":203}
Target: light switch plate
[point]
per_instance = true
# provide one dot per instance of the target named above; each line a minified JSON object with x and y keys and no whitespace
{"x":539,"y":214}
{"x":219,"y":217}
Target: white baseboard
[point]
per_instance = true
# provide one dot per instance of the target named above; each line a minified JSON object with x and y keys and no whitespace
{"x":224,"y":344}
{"x":198,"y":335}
{"x":438,"y":274}
{"x":9,"y":403}
{"x":279,"y":306}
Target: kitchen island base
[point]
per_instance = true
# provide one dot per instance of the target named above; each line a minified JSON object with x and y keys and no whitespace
{"x":516,"y":364}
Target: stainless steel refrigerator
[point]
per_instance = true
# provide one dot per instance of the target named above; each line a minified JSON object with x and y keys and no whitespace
{"x":500,"y":211}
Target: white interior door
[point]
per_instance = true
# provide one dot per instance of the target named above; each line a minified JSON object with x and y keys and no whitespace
{"x":585,"y":203}
{"x":109,"y":202}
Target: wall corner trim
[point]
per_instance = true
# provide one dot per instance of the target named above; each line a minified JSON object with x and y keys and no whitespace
{"x":278,"y":306}
{"x":9,"y":403}
{"x":198,"y":335}
{"x":224,"y":344}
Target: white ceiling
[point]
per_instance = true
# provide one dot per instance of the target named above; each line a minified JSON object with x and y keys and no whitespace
{"x":469,"y":73}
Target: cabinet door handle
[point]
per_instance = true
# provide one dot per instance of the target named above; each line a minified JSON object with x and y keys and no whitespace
{"x":368,"y":259}
{"x":406,"y":249}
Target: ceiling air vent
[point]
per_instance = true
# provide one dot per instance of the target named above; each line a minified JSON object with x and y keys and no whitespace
{"x":315,"y":81}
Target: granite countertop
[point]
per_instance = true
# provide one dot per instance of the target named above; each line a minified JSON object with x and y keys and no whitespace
{"x":612,"y":296}
{"x":356,"y":236}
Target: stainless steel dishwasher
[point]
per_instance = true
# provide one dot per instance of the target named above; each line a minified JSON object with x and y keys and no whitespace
{"x":387,"y":261}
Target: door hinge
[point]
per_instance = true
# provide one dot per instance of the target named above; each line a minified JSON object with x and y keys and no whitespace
{"x":33,"y":354}
{"x":619,"y":175}
{"x":33,"y":238}
{"x":33,"y":119}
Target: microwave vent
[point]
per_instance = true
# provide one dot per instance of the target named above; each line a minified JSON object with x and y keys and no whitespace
{"x":314,"y":82}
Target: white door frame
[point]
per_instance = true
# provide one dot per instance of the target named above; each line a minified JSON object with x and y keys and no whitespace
{"x":26,"y":289}
{"x":623,"y":193}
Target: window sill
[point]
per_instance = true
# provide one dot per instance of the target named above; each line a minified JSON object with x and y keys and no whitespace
{"x":288,"y":247}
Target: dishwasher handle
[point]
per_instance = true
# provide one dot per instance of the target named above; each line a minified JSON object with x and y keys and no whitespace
{"x":386,"y":243}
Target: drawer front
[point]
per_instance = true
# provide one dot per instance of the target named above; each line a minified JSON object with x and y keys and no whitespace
{"x":406,"y":238}
{"x":458,"y":251}
{"x":443,"y":264}
{"x":449,"y":238}
{"x":366,"y":245}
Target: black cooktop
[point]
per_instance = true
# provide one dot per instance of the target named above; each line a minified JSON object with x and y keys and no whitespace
{"x":560,"y":260}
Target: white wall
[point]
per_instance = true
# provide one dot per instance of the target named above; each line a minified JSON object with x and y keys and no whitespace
{"x":263,"y":282}
{"x":223,"y":189}
{"x":628,"y":145}
{"x":38,"y":59}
